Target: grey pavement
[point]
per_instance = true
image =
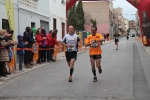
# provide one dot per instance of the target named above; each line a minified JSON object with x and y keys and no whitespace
{"x":125,"y":77}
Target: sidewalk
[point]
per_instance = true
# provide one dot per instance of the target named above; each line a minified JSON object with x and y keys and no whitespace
{"x":147,"y":48}
{"x":60,"y":56}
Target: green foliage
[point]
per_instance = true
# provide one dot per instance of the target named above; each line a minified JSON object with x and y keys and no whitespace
{"x":80,"y":16}
{"x":76,"y":17}
{"x":94,"y":22}
{"x":72,"y":17}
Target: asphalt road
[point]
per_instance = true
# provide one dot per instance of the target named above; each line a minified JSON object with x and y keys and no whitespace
{"x":126,"y":76}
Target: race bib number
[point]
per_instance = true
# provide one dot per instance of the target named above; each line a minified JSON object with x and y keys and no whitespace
{"x":94,"y":45}
{"x":70,"y":49}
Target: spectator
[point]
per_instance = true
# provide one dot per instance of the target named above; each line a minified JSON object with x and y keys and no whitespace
{"x":20,"y":53}
{"x":39,"y":39}
{"x":107,"y":36}
{"x":34,"y":32}
{"x":48,"y":51}
{"x":9,"y":48}
{"x":51,"y":42}
{"x":77,"y":32}
{"x":44,"y":44}
{"x":50,"y":32}
{"x":28,"y":53}
{"x":32,"y":36}
{"x":4,"y":54}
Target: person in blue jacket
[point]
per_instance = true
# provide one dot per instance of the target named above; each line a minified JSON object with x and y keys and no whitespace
{"x":20,"y":53}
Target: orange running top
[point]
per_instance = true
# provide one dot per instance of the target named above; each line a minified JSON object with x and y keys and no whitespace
{"x":95,"y":48}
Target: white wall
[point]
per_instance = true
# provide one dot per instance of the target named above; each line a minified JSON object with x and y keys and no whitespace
{"x":29,"y":14}
{"x":3,"y":14}
{"x":58,"y":11}
{"x":26,"y":15}
{"x":26,"y":18}
{"x":46,"y":10}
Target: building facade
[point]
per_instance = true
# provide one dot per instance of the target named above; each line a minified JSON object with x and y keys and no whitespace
{"x":100,"y":11}
{"x":138,"y":23}
{"x":36,"y":13}
{"x":58,"y":17}
{"x":120,"y":20}
{"x":126,"y":25}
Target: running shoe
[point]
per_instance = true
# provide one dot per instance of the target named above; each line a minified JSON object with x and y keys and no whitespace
{"x":100,"y":70}
{"x":95,"y":79}
{"x":70,"y":78}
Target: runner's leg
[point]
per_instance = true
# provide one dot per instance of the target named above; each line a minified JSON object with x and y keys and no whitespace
{"x":69,"y":63}
{"x":93,"y":65}
{"x":93,"y":68}
{"x":116,"y":45}
{"x":72,"y":66}
{"x":98,"y":64}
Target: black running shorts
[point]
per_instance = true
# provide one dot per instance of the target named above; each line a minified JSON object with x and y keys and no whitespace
{"x":95,"y":56}
{"x":116,"y":40}
{"x":71,"y":55}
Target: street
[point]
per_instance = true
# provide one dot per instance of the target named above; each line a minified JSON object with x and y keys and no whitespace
{"x":126,"y":76}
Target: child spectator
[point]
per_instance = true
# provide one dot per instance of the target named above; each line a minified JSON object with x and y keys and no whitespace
{"x":20,"y":53}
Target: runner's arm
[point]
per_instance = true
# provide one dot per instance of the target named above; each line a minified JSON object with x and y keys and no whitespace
{"x":87,"y":42}
{"x":78,"y":39}
{"x":101,"y":40}
{"x":64,"y":42}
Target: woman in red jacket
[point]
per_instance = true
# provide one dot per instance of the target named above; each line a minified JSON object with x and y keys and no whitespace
{"x":52,"y":41}
{"x":39,"y":40}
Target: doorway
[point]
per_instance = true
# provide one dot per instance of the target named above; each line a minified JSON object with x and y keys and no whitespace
{"x":44,"y":24}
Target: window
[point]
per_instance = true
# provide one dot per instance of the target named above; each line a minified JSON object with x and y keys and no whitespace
{"x":5,"y":24}
{"x":32,"y":25}
{"x":54,"y":24}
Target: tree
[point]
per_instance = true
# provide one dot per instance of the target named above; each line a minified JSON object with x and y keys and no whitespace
{"x":72,"y":17}
{"x":80,"y":16}
{"x":94,"y":22}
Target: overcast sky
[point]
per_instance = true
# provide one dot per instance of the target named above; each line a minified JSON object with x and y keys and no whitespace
{"x":127,"y":8}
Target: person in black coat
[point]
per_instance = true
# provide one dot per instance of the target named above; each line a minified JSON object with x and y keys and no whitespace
{"x":28,"y":53}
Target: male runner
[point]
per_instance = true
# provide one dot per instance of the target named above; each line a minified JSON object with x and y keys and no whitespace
{"x":116,"y":36}
{"x":94,"y":41}
{"x":127,"y":37}
{"x":70,"y":40}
